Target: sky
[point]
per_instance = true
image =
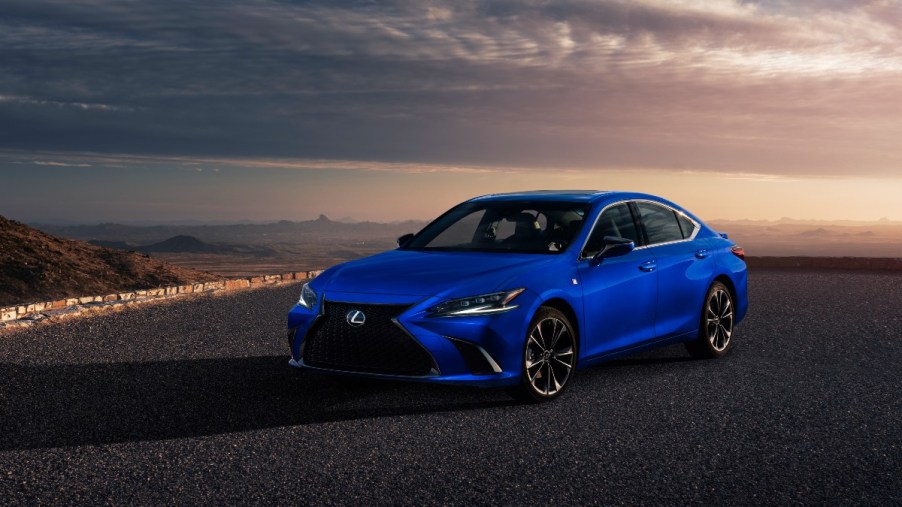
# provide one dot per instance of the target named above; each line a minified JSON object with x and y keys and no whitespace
{"x":127,"y":111}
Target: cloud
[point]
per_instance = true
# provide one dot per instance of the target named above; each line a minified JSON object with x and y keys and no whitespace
{"x":61,"y":104}
{"x":203,"y":164}
{"x":59,"y":164}
{"x":749,"y":87}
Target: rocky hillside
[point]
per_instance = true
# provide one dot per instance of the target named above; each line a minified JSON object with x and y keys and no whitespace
{"x":36,"y":266}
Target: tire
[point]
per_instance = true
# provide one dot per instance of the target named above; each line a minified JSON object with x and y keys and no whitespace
{"x":549,"y":357}
{"x":716,"y":325}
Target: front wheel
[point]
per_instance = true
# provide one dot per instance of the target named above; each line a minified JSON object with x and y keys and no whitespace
{"x":549,"y":357}
{"x":716,"y":326}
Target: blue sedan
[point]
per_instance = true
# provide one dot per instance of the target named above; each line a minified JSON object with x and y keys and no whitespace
{"x":521,"y":290}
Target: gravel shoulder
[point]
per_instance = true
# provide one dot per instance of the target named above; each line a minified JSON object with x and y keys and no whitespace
{"x":192,"y":401}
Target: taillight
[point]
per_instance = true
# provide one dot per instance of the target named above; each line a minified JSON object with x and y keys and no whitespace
{"x":738,"y":251}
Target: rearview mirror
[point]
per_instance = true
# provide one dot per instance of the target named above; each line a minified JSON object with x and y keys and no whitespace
{"x":613,"y":247}
{"x":403,"y":240}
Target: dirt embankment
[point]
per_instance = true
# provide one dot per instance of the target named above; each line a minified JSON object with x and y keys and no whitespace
{"x":37,"y":266}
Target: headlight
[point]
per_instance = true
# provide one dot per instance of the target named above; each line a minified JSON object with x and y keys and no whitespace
{"x":477,"y":305}
{"x":308,"y":296}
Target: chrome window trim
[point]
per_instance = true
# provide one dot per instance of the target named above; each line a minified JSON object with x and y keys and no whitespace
{"x":691,"y":237}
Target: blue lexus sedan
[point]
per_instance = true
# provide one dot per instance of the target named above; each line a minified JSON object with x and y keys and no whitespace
{"x":520,"y":290}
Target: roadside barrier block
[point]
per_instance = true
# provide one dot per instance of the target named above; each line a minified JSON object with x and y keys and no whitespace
{"x":239,"y":283}
{"x":25,"y":315}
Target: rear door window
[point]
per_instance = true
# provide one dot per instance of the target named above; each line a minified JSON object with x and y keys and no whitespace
{"x":660,"y":222}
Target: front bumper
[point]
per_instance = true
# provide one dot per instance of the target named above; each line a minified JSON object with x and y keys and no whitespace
{"x":479,"y":350}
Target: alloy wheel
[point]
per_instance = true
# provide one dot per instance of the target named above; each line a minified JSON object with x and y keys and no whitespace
{"x":719,"y":319}
{"x":549,"y":356}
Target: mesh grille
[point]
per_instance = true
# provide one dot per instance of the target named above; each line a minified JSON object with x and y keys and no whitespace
{"x":378,"y":346}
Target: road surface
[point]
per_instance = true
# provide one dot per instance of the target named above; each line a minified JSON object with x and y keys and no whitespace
{"x":193,"y":402}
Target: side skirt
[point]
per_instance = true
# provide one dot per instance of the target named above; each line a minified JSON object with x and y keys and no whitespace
{"x":653,"y":344}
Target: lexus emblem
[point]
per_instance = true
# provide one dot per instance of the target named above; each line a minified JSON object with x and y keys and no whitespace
{"x":355,"y":318}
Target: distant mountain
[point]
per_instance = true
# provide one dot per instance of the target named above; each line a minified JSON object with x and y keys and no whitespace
{"x":820,"y":231}
{"x":810,"y":222}
{"x":244,"y":234}
{"x":184,"y":244}
{"x":821,"y":239}
{"x":35,"y":266}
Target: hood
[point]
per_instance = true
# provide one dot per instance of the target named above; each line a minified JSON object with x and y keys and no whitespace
{"x":423,"y":274}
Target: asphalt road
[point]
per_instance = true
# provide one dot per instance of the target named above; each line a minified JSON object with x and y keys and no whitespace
{"x":193,"y":402}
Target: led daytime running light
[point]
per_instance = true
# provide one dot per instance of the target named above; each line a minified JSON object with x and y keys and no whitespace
{"x":485,"y":304}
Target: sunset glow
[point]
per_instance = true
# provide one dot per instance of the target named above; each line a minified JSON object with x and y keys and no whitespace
{"x":275,"y":110}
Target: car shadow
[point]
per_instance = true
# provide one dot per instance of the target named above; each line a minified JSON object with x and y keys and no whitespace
{"x":68,"y":405}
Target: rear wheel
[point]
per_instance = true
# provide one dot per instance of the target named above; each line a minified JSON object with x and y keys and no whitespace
{"x":549,"y":357}
{"x":716,"y":326}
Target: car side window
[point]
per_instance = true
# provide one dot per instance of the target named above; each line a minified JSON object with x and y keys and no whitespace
{"x":660,"y":222}
{"x":688,"y":226}
{"x":615,"y":221}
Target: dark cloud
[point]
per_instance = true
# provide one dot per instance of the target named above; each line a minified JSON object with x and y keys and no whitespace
{"x":780,"y":87}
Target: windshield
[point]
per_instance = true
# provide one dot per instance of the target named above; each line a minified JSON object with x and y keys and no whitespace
{"x":504,"y":226}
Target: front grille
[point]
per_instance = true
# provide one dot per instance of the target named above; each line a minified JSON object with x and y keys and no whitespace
{"x":377,"y":346}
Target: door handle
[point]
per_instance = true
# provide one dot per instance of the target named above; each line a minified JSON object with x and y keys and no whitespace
{"x":648,"y":266}
{"x":701,"y":254}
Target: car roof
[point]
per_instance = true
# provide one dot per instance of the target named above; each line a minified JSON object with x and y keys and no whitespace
{"x":586,"y":196}
{"x":546,"y":195}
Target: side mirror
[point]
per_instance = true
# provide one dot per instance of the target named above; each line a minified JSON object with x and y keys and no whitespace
{"x":403,"y":240}
{"x":613,"y":247}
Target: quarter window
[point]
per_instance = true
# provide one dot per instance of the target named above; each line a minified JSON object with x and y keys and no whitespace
{"x":688,"y":226}
{"x":660,"y":223}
